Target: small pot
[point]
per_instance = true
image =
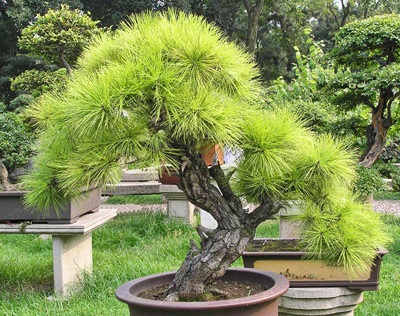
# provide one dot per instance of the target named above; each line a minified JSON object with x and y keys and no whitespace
{"x":12,"y":208}
{"x":261,"y":304}
{"x":303,"y":272}
{"x":212,"y":153}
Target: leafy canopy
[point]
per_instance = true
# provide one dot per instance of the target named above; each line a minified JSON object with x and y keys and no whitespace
{"x":58,"y":33}
{"x":369,"y":50}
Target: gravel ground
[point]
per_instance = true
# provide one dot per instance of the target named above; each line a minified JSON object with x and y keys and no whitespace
{"x":387,"y":206}
{"x":382,"y":206}
{"x":130,"y":208}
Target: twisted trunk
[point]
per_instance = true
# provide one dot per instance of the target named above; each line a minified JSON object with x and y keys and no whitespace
{"x":376,"y":132}
{"x":219,"y":247}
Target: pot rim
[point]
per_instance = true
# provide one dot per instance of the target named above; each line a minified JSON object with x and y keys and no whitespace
{"x":379,"y":252}
{"x":281,"y":285}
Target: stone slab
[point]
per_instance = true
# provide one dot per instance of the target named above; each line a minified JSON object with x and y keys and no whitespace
{"x":125,"y":188}
{"x":150,"y":174}
{"x":84,"y":225}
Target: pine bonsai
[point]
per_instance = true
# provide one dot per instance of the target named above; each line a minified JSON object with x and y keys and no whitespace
{"x":155,"y":91}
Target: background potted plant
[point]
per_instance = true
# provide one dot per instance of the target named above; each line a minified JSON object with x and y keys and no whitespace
{"x":12,"y":208}
{"x":154,"y":91}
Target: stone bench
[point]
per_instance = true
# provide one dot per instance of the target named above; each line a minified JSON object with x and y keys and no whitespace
{"x":136,"y":182}
{"x":72,"y":246}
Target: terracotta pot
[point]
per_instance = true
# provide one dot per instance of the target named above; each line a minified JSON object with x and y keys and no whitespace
{"x":262,"y":304}
{"x":212,"y":153}
{"x":169,"y":178}
{"x":310,"y":273}
{"x":12,"y":208}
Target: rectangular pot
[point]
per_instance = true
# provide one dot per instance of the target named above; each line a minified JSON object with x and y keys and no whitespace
{"x":311,"y":273}
{"x":12,"y":208}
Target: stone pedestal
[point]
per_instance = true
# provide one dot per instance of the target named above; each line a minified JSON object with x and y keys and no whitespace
{"x":177,"y":204}
{"x":72,"y":246}
{"x":338,"y":301}
{"x":72,"y":257}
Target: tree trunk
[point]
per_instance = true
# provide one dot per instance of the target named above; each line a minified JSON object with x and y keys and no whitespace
{"x":219,"y":247}
{"x":377,"y":130}
{"x":253,"y":13}
{"x":65,"y":64}
{"x":4,"y":184}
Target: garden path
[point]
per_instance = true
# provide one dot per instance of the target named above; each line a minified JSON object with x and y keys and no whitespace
{"x":382,"y":206}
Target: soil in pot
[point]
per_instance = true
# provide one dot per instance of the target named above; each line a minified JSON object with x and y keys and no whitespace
{"x":216,"y":291}
{"x":274,"y":245}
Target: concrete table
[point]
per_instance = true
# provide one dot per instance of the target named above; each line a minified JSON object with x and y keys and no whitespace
{"x":72,"y":246}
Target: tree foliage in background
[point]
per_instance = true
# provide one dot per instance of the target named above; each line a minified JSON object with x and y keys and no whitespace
{"x":368,"y":52}
{"x":23,"y":12}
{"x":306,"y":95}
{"x":59,"y":36}
{"x":15,"y":141}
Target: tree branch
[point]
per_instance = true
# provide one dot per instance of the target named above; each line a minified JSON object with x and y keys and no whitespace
{"x":264,"y":211}
{"x":196,"y":183}
{"x":218,"y":175}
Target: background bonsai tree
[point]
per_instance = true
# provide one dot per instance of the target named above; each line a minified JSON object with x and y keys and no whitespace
{"x":155,"y":91}
{"x":59,"y":36}
{"x":369,"y":51}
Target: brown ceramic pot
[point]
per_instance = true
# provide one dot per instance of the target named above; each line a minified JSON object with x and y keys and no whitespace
{"x":262,"y":304}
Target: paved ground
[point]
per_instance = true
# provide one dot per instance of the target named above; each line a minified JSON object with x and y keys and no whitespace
{"x":387,"y":206}
{"x":383,"y":206}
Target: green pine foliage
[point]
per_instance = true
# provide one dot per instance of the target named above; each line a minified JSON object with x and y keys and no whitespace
{"x":340,"y":234}
{"x":161,"y":83}
{"x":160,"y":87}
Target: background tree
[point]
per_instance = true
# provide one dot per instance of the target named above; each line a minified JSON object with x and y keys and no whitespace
{"x":59,"y":36}
{"x":369,"y":53}
{"x":159,"y":89}
{"x":253,"y":14}
{"x":306,"y":95}
{"x":23,"y":12}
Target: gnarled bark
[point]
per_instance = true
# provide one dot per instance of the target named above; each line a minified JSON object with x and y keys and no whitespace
{"x":4,"y":183}
{"x":377,"y":130}
{"x":219,"y":247}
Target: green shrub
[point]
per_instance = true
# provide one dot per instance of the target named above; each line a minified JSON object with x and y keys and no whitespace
{"x":391,"y":153}
{"x":368,"y":181}
{"x":396,"y":182}
{"x":386,"y":170}
{"x":15,"y":141}
{"x":20,"y":102}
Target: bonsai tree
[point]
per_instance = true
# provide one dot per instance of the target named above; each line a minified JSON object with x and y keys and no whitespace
{"x":369,"y":52}
{"x":59,"y":36}
{"x":159,"y":88}
{"x":16,"y":141}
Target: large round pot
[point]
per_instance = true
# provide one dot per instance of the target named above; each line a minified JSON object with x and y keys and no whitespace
{"x":262,"y":304}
